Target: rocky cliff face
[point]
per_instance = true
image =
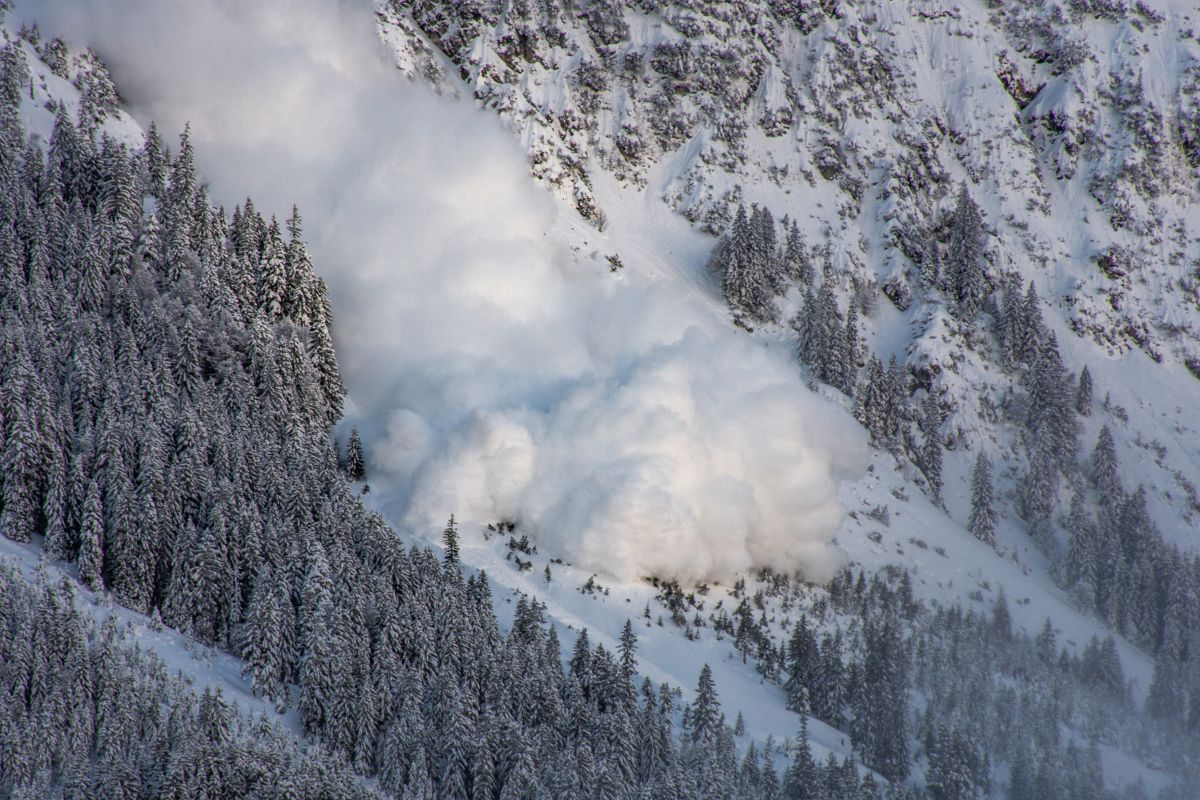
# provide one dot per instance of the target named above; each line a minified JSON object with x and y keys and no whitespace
{"x":1074,"y":124}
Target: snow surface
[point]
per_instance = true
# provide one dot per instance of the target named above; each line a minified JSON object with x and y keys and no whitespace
{"x":499,"y":371}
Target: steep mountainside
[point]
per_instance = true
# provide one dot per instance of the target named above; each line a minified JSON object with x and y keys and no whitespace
{"x":969,"y":229}
{"x":860,"y":119}
{"x":1000,"y":196}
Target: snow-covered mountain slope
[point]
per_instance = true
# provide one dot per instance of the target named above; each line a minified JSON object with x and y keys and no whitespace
{"x":523,"y":380}
{"x":860,"y":119}
{"x":1071,"y":126}
{"x":1071,"y":123}
{"x":1068,"y":123}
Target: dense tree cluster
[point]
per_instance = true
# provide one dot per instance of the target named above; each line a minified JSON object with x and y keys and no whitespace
{"x":169,"y":385}
{"x":828,"y":341}
{"x":754,"y":267}
{"x":88,"y":715}
{"x":1028,"y":724}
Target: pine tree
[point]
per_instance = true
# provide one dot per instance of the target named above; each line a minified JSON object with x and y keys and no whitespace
{"x":965,"y":258}
{"x":796,"y":262}
{"x":299,"y":302}
{"x":800,"y":781}
{"x":830,"y":693}
{"x":956,"y":770}
{"x":1083,"y":395}
{"x":872,"y":402}
{"x":1102,"y":468}
{"x":318,"y":668}
{"x":763,"y":252}
{"x":1032,"y":332}
{"x":628,"y":652}
{"x":703,"y":720}
{"x":450,"y":543}
{"x":802,"y":665}
{"x":848,"y":375}
{"x":262,"y":635}
{"x":1052,"y":424}
{"x":880,"y":724}
{"x":91,"y":535}
{"x":356,"y":468}
{"x":272,"y":282}
{"x":746,"y":264}
{"x":982,"y":522}
{"x":1080,"y":565}
{"x":931,"y":449}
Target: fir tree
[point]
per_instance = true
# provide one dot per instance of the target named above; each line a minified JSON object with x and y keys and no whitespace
{"x":1102,"y":468}
{"x":450,"y":543}
{"x":965,"y":257}
{"x":272,"y":285}
{"x":355,"y":460}
{"x":931,"y":449}
{"x":803,"y":664}
{"x":747,"y":265}
{"x":1080,"y":566}
{"x":703,"y":720}
{"x":880,"y":725}
{"x":1083,"y":395}
{"x":982,"y":522}
{"x":91,"y":536}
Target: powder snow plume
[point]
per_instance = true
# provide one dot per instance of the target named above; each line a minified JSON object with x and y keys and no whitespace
{"x":620,"y":421}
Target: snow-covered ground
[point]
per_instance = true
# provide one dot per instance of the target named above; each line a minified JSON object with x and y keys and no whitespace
{"x":556,"y":393}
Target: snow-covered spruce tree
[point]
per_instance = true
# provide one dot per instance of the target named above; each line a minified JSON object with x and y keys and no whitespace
{"x":1080,"y":567}
{"x":263,"y":637}
{"x":91,"y":557}
{"x":831,"y":690}
{"x":931,"y":448}
{"x":1021,"y":326}
{"x":803,"y":665}
{"x":1083,"y":395}
{"x":1102,"y":467}
{"x":957,"y":770}
{"x":1052,"y":435}
{"x":880,"y":724}
{"x":356,"y":467}
{"x":982,"y":522}
{"x":965,"y":258}
{"x":764,"y":253}
{"x":450,"y":543}
{"x":796,"y":263}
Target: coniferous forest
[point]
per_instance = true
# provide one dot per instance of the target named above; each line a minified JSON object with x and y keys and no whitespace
{"x":169,"y":392}
{"x":169,"y":389}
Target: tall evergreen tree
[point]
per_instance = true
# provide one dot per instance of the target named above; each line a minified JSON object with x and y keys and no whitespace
{"x":1083,"y":395}
{"x":931,"y":448}
{"x":356,"y":468}
{"x":982,"y":522}
{"x":703,"y":721}
{"x":965,"y":260}
{"x":91,"y":537}
{"x":450,"y":543}
{"x":1102,"y":468}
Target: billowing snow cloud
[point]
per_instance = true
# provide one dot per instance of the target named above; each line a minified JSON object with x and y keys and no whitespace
{"x":495,"y":375}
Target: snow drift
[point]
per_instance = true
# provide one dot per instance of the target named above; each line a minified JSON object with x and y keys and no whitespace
{"x":620,"y":421}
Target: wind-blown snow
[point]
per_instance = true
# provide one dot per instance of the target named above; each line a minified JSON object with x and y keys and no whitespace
{"x":495,"y":373}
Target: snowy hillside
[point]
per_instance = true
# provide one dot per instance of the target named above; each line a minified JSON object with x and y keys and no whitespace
{"x":1070,"y":125}
{"x":860,"y":120}
{"x":948,"y":212}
